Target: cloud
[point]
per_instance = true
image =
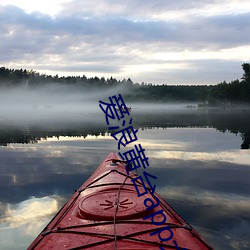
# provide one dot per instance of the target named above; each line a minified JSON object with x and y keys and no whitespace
{"x":94,"y":38}
{"x":29,"y":210}
{"x":26,"y":220}
{"x":230,"y":203}
{"x":148,"y":10}
{"x":116,"y":30}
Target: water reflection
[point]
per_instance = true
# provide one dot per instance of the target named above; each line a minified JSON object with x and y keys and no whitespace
{"x":233,"y":121}
{"x":20,"y":222}
{"x":201,"y":172}
{"x":29,"y":210}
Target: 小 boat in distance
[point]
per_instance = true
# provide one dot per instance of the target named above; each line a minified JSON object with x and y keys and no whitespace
{"x":106,"y":213}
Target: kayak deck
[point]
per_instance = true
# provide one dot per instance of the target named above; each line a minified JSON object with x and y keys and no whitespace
{"x":106,"y":212}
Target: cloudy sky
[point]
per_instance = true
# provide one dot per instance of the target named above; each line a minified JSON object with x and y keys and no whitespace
{"x":157,"y":41}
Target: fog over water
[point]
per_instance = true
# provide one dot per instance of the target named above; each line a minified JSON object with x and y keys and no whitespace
{"x":61,"y":102}
{"x":53,"y":138}
{"x":55,"y":102}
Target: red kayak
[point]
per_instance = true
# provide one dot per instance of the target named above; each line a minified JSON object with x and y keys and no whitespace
{"x":106,"y":213}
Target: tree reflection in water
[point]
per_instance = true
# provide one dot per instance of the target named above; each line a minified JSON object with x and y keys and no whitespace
{"x":233,"y":121}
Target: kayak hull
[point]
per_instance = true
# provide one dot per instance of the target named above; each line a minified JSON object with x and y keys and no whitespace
{"x":106,"y":212}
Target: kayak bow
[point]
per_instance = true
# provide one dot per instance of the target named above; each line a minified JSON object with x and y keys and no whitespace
{"x":106,"y":213}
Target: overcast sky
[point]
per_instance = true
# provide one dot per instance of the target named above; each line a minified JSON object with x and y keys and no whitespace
{"x":157,"y":41}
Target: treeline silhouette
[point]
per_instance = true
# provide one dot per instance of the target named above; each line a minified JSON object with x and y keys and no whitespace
{"x":236,"y":91}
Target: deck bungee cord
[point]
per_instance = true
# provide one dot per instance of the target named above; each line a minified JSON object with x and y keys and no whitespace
{"x":105,"y":212}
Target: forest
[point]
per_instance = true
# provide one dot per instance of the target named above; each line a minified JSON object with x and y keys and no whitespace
{"x":224,"y":93}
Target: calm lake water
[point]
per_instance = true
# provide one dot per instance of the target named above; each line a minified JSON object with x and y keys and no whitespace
{"x":201,"y":159}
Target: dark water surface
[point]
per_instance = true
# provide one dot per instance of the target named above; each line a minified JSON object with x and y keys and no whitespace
{"x":196,"y":154}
